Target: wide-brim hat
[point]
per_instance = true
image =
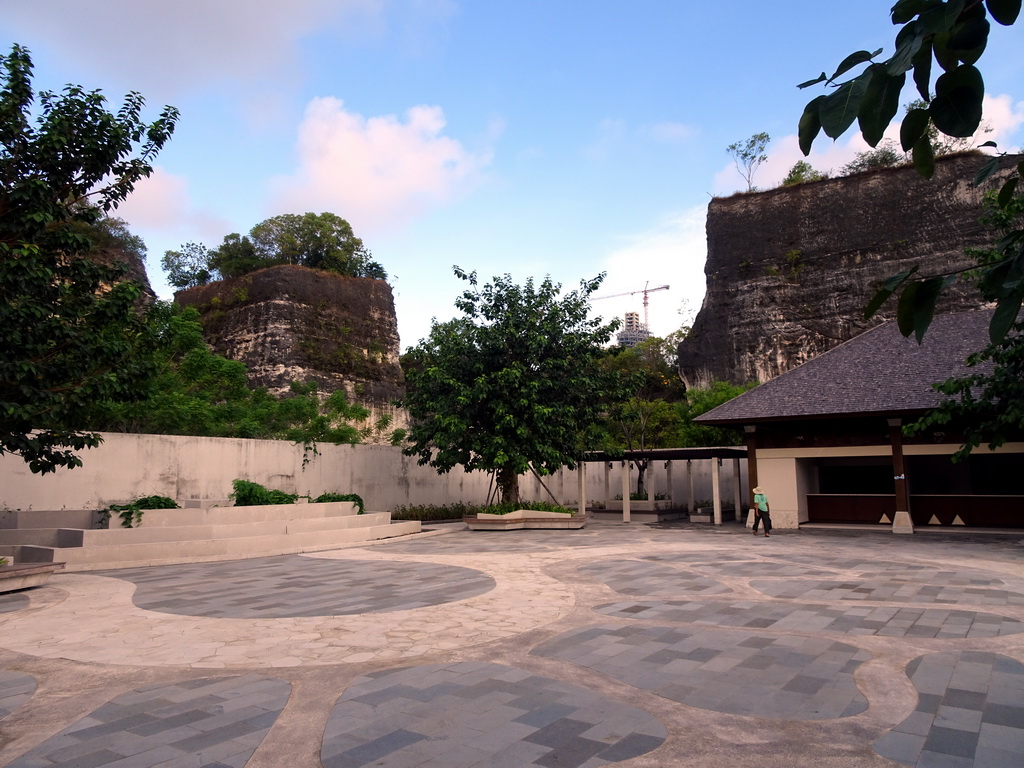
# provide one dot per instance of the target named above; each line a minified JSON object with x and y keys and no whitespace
{"x":758,"y":490}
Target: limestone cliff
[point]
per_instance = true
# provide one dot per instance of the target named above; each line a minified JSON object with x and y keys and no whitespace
{"x":790,"y":270}
{"x":292,"y":323}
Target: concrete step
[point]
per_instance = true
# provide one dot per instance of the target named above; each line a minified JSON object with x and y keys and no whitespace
{"x":11,"y":519}
{"x":46,"y":537}
{"x":127,"y":555}
{"x":158,"y":518}
{"x":147,"y":535}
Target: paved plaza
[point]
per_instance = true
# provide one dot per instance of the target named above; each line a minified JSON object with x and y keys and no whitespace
{"x":619,"y":644}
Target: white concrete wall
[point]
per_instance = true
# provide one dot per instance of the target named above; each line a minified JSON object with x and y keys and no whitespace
{"x":127,"y":466}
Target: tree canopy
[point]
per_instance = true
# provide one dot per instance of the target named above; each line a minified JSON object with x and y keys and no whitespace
{"x":749,"y":155}
{"x":74,"y":332}
{"x":513,"y":384}
{"x":317,"y":240}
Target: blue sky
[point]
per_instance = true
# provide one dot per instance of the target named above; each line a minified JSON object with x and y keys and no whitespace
{"x":537,"y":137}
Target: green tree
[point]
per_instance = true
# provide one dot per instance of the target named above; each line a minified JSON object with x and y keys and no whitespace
{"x":188,"y":267}
{"x":749,"y":155}
{"x":319,"y":241}
{"x":698,"y":401}
{"x":642,"y":414}
{"x":801,"y":172}
{"x":73,"y":331}
{"x":885,"y":155}
{"x":511,"y":385}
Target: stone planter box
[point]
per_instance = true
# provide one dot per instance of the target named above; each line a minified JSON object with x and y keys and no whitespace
{"x":707,"y":515}
{"x":24,"y":575}
{"x":524,"y":518}
{"x":615,"y":505}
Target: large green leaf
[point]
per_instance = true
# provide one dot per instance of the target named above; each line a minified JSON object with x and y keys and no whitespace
{"x":905,"y":10}
{"x":819,"y":79}
{"x":908,"y":43}
{"x":880,"y":103}
{"x":839,"y":109}
{"x":923,"y":72}
{"x":940,"y":17}
{"x":956,"y":108}
{"x":917,"y":306}
{"x":810,"y":124}
{"x":1006,"y":193}
{"x":924,"y":157}
{"x":989,"y":167}
{"x":851,"y":61}
{"x":1004,"y":317}
{"x":914,"y":126}
{"x":969,"y":40}
{"x":887,"y":289}
{"x":1004,"y":11}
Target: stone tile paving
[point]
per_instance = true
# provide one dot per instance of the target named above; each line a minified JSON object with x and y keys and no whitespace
{"x":213,"y":722}
{"x":481,"y":714}
{"x":970,"y":712}
{"x":13,"y":601}
{"x":887,"y":590}
{"x":635,"y":577}
{"x":15,"y":689}
{"x":289,"y":586}
{"x":740,"y":673}
{"x":886,"y":621}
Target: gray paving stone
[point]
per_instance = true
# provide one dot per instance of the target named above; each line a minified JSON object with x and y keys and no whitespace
{"x":559,"y":723}
{"x":885,"y":589}
{"x":118,"y":734}
{"x":15,"y":689}
{"x":292,"y":585}
{"x":728,"y":666}
{"x":636,"y":577}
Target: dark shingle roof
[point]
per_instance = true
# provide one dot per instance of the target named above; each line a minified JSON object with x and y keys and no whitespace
{"x":875,"y":373}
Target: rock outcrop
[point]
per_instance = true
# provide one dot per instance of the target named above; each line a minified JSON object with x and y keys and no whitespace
{"x":790,"y":270}
{"x":290,"y":323}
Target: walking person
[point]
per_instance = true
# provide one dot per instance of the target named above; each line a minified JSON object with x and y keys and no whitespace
{"x":762,"y":511}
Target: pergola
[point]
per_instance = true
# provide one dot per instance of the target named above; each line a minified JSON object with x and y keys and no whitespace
{"x":666,"y":455}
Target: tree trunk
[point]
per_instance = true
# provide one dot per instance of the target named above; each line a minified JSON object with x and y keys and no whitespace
{"x":641,"y":468}
{"x":508,"y":482}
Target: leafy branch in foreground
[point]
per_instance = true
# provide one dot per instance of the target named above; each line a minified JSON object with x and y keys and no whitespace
{"x":953,"y":35}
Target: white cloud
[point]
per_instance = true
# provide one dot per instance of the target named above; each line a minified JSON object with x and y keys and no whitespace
{"x":160,"y":206}
{"x":672,"y":253}
{"x":376,"y":171}
{"x":1005,"y":118}
{"x":1001,"y":115}
{"x":671,"y":133}
{"x":160,"y":48}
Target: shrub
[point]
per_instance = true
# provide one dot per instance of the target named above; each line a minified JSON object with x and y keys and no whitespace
{"x":249,"y":494}
{"x":353,"y":497}
{"x":434,"y":512}
{"x":131,"y":513}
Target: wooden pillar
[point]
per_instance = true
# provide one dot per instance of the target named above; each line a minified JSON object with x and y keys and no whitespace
{"x":737,"y":491}
{"x":716,"y":490}
{"x":901,"y":522}
{"x":750,"y":431}
{"x":625,"y":491}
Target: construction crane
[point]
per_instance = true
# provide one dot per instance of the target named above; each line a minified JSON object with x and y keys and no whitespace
{"x":645,"y":290}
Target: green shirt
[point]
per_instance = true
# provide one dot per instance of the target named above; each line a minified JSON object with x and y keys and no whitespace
{"x":761,"y":501}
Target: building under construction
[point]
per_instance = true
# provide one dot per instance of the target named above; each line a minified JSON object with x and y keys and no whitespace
{"x":633,"y":331}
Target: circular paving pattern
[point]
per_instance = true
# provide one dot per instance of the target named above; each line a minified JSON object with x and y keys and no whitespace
{"x":294,"y":586}
{"x":803,"y":678}
{"x":13,"y":601}
{"x":481,"y":714}
{"x":970,"y":711}
{"x":637,"y":577}
{"x":888,"y":590}
{"x":887,"y":621}
{"x":216,"y":721}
